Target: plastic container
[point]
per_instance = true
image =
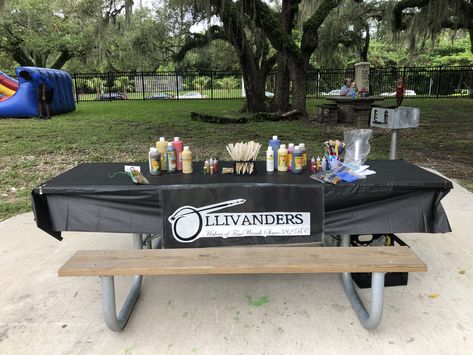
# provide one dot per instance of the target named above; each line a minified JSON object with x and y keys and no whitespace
{"x":363,"y":279}
{"x":171,"y":158}
{"x":282,"y":158}
{"x":211,"y":166}
{"x":215,"y":166}
{"x":178,"y":146}
{"x":275,"y":143}
{"x":154,"y":161}
{"x":162,"y":145}
{"x":313,"y":166}
{"x":304,"y":155}
{"x":297,"y":161}
{"x":357,"y":146}
{"x":186,"y":158}
{"x":290,"y":149}
{"x":270,"y":159}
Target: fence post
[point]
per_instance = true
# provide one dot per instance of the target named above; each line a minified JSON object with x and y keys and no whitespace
{"x":211,"y":85}
{"x":109,"y":81}
{"x":143,"y":84}
{"x":438,"y":81}
{"x":177,"y":85}
{"x":75,"y":87}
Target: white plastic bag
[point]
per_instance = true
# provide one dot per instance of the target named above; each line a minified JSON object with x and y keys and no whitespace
{"x":357,"y":145}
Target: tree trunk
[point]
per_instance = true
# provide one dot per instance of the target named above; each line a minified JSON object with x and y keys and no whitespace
{"x":365,"y":45}
{"x":254,"y":91}
{"x":470,"y":31}
{"x":283,"y":84}
{"x":299,"y":84}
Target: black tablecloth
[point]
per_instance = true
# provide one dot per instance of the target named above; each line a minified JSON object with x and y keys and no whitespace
{"x":400,"y":198}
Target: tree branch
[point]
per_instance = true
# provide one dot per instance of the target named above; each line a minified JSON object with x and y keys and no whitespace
{"x":312,"y":24}
{"x":267,"y":19}
{"x":62,"y":59}
{"x":200,"y":40}
{"x":402,"y":5}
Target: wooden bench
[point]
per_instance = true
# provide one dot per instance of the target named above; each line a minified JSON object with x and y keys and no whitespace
{"x":327,"y":113}
{"x":243,"y":260}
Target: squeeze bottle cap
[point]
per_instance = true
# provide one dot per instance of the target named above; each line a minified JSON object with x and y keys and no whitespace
{"x":169,"y":144}
{"x":302,"y":145}
{"x":283,"y":146}
{"x":153,"y":149}
{"x":176,"y":139}
{"x":275,"y":138}
{"x":186,"y":147}
{"x":270,"y":148}
{"x":291,"y":145}
{"x":162,"y":139}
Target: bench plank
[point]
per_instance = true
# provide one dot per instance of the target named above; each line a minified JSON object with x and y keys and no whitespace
{"x":242,"y":260}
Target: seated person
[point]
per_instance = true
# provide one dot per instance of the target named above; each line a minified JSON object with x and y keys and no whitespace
{"x":347,"y":88}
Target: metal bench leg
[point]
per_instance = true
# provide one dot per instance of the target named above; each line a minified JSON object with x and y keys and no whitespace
{"x":372,"y":319}
{"x":108,"y":298}
{"x":113,"y":321}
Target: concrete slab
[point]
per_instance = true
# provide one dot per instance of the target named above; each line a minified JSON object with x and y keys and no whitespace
{"x":301,"y":314}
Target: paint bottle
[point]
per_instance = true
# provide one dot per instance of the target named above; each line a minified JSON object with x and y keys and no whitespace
{"x":206,"y":166}
{"x":297,"y":160}
{"x":178,"y":146}
{"x":282,"y":158}
{"x":318,"y":166}
{"x":162,"y":145}
{"x":324,"y":164}
{"x":171,"y":158}
{"x":215,"y":166}
{"x":312,"y":165}
{"x":270,"y":159}
{"x":211,"y":166}
{"x":186,"y":160}
{"x":154,"y":161}
{"x":290,"y":149}
{"x":275,"y":143}
{"x":304,"y":155}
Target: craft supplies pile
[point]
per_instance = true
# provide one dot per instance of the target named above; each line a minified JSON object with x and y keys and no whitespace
{"x":340,"y":161}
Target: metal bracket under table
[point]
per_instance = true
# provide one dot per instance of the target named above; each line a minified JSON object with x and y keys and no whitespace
{"x":372,"y":319}
{"x":113,"y":321}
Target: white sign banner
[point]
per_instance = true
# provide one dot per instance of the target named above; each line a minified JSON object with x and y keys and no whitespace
{"x":190,"y":223}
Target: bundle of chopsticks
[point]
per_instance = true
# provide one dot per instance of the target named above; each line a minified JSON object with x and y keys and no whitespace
{"x":244,"y":154}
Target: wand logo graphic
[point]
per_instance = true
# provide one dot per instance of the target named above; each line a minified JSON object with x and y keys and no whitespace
{"x":190,"y":223}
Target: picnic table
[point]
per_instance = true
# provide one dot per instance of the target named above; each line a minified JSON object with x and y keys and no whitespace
{"x":355,"y":110}
{"x":400,"y":198}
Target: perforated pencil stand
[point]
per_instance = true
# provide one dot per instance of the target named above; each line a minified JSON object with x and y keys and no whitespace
{"x":394,"y":119}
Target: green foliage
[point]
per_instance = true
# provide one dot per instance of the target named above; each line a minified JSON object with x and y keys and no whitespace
{"x":201,"y":83}
{"x":228,"y":83}
{"x":124,"y":84}
{"x":96,"y":84}
{"x":45,"y":33}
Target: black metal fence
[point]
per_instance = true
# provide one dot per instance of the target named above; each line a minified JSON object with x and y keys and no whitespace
{"x":421,"y":82}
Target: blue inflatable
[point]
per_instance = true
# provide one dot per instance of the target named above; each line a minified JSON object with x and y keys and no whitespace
{"x":24,"y":102}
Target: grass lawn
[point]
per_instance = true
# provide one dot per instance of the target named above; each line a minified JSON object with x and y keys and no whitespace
{"x":33,"y":150}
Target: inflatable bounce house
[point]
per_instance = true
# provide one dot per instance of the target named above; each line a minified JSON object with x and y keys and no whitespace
{"x":19,"y":98}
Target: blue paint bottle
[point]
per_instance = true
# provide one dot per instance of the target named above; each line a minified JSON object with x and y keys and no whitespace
{"x":275,"y":143}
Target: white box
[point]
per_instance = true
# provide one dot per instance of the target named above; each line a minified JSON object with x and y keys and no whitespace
{"x":395,"y":118}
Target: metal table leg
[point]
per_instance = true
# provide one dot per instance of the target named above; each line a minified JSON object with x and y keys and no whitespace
{"x":372,"y":319}
{"x":113,"y":321}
